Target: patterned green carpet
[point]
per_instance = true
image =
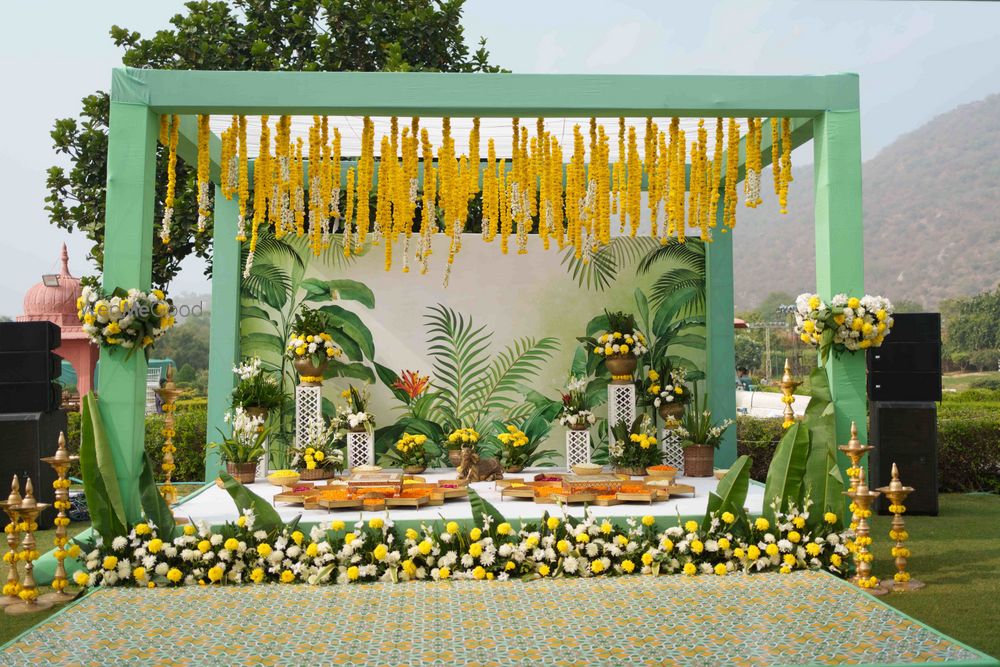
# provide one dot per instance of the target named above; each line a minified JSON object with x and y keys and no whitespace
{"x":765,"y":619}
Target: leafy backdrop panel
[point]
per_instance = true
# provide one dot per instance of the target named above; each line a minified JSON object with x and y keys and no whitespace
{"x":499,"y":342}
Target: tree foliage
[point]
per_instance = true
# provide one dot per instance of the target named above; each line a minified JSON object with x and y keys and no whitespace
{"x":297,"y":35}
{"x":972,"y":339}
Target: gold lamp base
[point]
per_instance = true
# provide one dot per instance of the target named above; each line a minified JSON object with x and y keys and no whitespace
{"x":25,"y":608}
{"x":893,"y":586}
{"x":56,"y":597}
{"x":8,"y":600}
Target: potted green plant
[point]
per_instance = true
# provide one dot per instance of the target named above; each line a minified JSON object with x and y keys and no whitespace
{"x":310,"y":347}
{"x":519,"y":441}
{"x":243,"y":449}
{"x":318,"y":454}
{"x":666,"y":390}
{"x":457,"y":439}
{"x":620,"y":346}
{"x":633,"y":447}
{"x":576,"y":414}
{"x":700,"y":437}
{"x":409,"y":453}
{"x":257,"y":391}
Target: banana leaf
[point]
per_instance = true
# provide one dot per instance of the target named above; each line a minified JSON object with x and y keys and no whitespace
{"x":352,"y":326}
{"x":823,"y":481}
{"x":785,"y":475}
{"x":730,"y":494}
{"x":480,"y":508}
{"x":100,"y":481}
{"x":153,"y":504}
{"x":265,"y":516}
{"x":338,"y":290}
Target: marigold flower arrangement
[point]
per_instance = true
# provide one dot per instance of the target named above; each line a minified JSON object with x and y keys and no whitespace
{"x":846,"y":323}
{"x":320,"y":447}
{"x":576,"y":413}
{"x":243,"y":552}
{"x":634,"y":446}
{"x":130,"y":319}
{"x":665,"y":386}
{"x":409,"y":451}
{"x":622,"y":339}
{"x":463,"y":437}
{"x":256,"y":387}
{"x":309,"y":339}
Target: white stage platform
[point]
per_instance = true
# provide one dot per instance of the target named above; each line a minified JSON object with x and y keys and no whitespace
{"x":214,"y":506}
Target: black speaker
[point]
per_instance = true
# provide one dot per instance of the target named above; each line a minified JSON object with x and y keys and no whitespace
{"x":907,"y":367}
{"x":29,"y":336}
{"x":29,"y":366}
{"x":905,"y":433}
{"x":24,"y":439}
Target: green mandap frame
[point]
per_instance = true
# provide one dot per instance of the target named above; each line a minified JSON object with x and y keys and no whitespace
{"x":822,"y":108}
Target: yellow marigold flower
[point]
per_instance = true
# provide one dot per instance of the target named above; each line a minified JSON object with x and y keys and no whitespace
{"x":562,"y":546}
{"x":812,"y":549}
{"x":174,"y":575}
{"x":189,"y":530}
{"x":350,"y":537}
{"x":647,"y":559}
{"x":739,"y":553}
{"x":720,"y":569}
{"x":154,"y":545}
{"x":479,"y":573}
{"x":723,"y":543}
{"x":667,"y":544}
{"x":444,"y":573}
{"x":596,"y":566}
{"x":81,"y":578}
{"x":794,"y":537}
{"x":380,"y":552}
{"x":411,"y":534}
{"x":264,"y":550}
{"x":475,"y":534}
{"x":110,"y":562}
{"x":771,"y":549}
{"x":628,"y":566}
{"x":691,"y":526}
{"x":835,"y":560}
{"x":788,"y":559}
{"x":648,"y":520}
{"x":606,"y":527}
{"x":753,"y":552}
{"x":139,"y":573}
{"x":312,"y":550}
{"x":376,"y":523}
{"x":697,"y":546}
{"x":142,"y":529}
{"x":690,"y":569}
{"x":799,"y":522}
{"x":582,"y":538}
{"x":503,"y":529}
{"x":543,"y":570}
{"x":452,"y":527}
{"x":337,"y":525}
{"x":475,"y":550}
{"x":425,"y":547}
{"x":257,"y":575}
{"x":409,"y":568}
{"x":353,"y":572}
{"x":761,"y":524}
{"x":215,"y":573}
{"x":241,"y":522}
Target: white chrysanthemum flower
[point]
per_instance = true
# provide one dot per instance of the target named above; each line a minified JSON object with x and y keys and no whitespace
{"x":119,"y":543}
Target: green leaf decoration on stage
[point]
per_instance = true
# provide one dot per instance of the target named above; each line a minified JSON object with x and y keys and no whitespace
{"x":480,"y":508}
{"x":338,"y":290}
{"x":153,"y":505}
{"x":604,"y":266}
{"x":784,"y":477}
{"x":690,"y":274}
{"x":730,"y":496}
{"x":805,"y":461}
{"x":100,"y":480}
{"x":265,"y":516}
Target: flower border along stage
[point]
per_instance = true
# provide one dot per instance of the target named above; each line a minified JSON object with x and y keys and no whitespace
{"x":248,"y":551}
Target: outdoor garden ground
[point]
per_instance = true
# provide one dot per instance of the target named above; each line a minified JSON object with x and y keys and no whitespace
{"x":956,"y":553}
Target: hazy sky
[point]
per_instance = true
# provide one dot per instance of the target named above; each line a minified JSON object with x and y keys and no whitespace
{"x":916,"y":60}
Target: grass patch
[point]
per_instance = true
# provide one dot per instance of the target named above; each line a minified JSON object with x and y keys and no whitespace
{"x":963,"y":381}
{"x":957,"y":555}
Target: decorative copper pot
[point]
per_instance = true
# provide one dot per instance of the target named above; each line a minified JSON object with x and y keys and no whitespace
{"x":579,"y":426}
{"x":622,"y":368}
{"x":675,"y":410}
{"x":305,"y":367}
{"x":455,"y":456}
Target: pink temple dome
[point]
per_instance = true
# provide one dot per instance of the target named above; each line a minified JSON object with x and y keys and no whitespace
{"x":55,"y":304}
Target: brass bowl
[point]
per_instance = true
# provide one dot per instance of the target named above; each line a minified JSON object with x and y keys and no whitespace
{"x":585,"y":469}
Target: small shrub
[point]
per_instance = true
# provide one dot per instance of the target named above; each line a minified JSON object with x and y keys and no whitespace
{"x":757,"y":438}
{"x":991,"y":383}
{"x":969,"y":449}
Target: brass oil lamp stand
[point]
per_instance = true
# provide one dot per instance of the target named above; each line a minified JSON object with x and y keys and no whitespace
{"x":27,"y":514}
{"x":60,"y":462}
{"x":897,"y":494}
{"x":862,"y":498}
{"x":9,"y":506}
{"x":168,"y":393}
{"x":788,"y":385}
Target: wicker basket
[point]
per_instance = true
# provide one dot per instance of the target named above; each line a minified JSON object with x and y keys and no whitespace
{"x":244,"y":473}
{"x":315,"y":474}
{"x":699,"y":461}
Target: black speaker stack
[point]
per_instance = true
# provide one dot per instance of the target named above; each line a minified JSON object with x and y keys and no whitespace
{"x":30,"y":414}
{"x":904,"y":384}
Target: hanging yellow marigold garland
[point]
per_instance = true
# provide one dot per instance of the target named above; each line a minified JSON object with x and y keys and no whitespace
{"x":168,"y":199}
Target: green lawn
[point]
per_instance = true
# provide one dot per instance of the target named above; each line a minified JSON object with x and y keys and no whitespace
{"x":961,"y":381}
{"x":957,"y":554}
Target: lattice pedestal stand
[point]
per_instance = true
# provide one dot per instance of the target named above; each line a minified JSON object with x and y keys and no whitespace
{"x":673,"y":453}
{"x":577,"y":447}
{"x":360,"y":449}
{"x":308,"y":408}
{"x":621,"y":404}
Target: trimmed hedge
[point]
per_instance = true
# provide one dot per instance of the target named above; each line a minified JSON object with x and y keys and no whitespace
{"x":190,"y":423}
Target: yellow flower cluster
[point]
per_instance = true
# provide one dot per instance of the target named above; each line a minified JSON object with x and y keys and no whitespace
{"x":751,"y":182}
{"x":644,"y":440}
{"x":168,"y":136}
{"x":203,"y":174}
{"x":411,"y":443}
{"x":514,"y":437}
{"x":463,"y":436}
{"x":620,"y":344}
{"x":313,"y":457}
{"x":301,"y":345}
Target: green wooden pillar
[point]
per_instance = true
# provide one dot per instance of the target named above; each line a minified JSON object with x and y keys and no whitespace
{"x":840,"y":251}
{"x":128,"y":250}
{"x":721,"y":381}
{"x":224,"y":340}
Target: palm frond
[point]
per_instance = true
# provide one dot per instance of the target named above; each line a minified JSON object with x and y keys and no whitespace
{"x":499,"y":388}
{"x":267,"y":283}
{"x":459,"y":356}
{"x":677,"y":279}
{"x":691,"y":254}
{"x":601,"y":270}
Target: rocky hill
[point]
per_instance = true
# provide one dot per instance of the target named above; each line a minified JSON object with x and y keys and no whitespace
{"x":932,"y":220}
